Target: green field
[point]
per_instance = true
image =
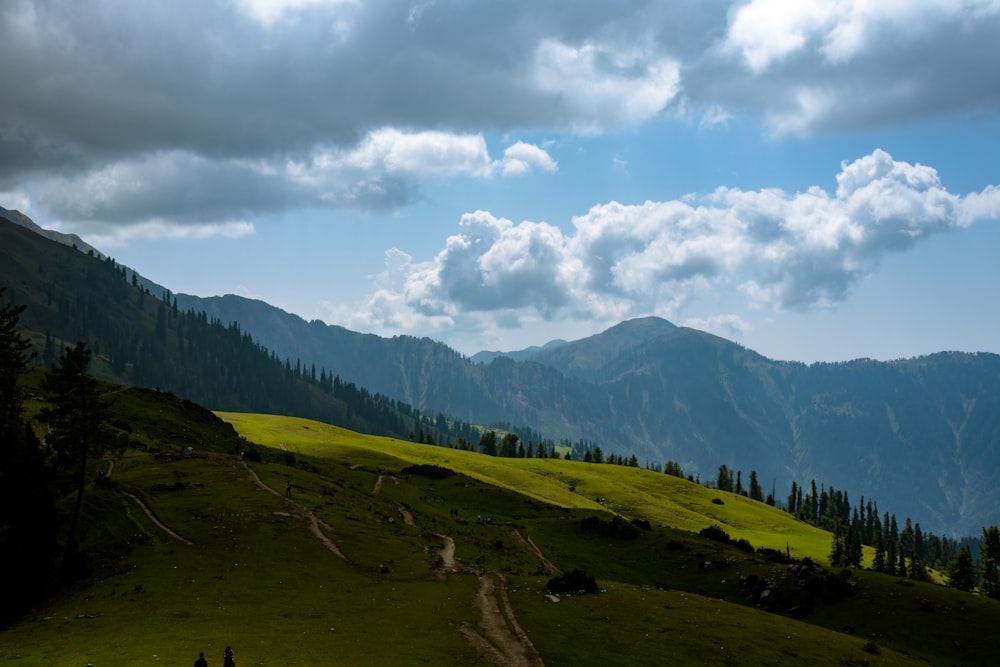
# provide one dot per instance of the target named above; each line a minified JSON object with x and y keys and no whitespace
{"x":352,"y":570}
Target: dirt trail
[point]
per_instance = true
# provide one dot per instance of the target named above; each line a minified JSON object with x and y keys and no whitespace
{"x":503,"y":641}
{"x":549,"y":567}
{"x":317,"y":527}
{"x":158,"y":523}
{"x":405,"y":513}
{"x":378,"y":484}
{"x":499,"y":639}
{"x":447,"y":552}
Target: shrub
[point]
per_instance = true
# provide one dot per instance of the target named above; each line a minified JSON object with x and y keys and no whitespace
{"x":642,"y":524}
{"x":617,"y":528}
{"x":429,"y":471}
{"x":716,"y":533}
{"x":575,"y":581}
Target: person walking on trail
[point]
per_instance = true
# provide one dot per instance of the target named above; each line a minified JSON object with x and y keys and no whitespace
{"x":288,"y":489}
{"x":201,"y":662}
{"x":228,"y":658}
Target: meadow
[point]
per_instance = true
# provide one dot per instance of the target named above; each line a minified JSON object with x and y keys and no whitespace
{"x":196,"y":545}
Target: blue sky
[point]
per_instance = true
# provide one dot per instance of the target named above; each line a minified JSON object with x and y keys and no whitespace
{"x":814,"y":180}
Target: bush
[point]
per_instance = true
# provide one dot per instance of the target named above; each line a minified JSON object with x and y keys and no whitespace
{"x":429,"y":471}
{"x":617,"y":528}
{"x":642,"y":524}
{"x":715,"y":533}
{"x":576,"y":581}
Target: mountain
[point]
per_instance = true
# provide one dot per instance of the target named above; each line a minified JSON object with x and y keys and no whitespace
{"x":528,"y":353}
{"x":144,"y":340}
{"x":920,"y":436}
{"x":71,"y":240}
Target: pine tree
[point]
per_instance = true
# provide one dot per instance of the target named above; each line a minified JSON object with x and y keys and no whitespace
{"x":488,"y":443}
{"x":990,"y":552}
{"x":756,"y":493}
{"x":961,"y":572}
{"x":878,"y":564}
{"x":724,"y":480}
{"x":837,"y":557}
{"x":76,"y":416}
{"x":28,"y":518}
{"x":792,"y":497}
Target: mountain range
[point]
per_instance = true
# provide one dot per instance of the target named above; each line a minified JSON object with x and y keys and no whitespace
{"x":921,"y":436}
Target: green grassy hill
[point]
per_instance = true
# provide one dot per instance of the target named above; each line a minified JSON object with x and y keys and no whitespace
{"x":392,"y":553}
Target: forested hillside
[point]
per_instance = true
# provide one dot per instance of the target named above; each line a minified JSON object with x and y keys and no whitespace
{"x":146,"y":340}
{"x":920,"y":434}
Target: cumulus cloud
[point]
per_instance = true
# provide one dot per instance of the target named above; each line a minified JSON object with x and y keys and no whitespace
{"x":361,"y":104}
{"x":781,"y":250}
{"x":818,"y":65}
{"x":384,"y":170}
{"x":605,"y":84}
{"x":522,"y":158}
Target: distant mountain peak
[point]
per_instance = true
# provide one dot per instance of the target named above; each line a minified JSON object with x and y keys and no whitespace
{"x":71,"y":240}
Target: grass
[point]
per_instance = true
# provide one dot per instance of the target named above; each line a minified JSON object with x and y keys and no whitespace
{"x":255,"y":577}
{"x":632,"y":492}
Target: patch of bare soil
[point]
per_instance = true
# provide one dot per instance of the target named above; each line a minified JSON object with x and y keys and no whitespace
{"x":378,"y":484}
{"x":159,"y":524}
{"x":447,"y":553}
{"x":317,"y":527}
{"x":502,"y":641}
{"x":405,"y":513}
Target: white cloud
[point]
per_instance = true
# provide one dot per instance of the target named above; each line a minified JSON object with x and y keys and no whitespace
{"x":268,"y":12}
{"x":116,"y":236}
{"x":819,"y":65}
{"x":767,"y":31}
{"x":341,"y":103}
{"x":727,"y":325}
{"x":605,"y":85}
{"x":781,"y":251}
{"x":521,"y":158}
{"x":383,"y":171}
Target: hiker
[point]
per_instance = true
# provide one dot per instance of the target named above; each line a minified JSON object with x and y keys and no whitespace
{"x":228,"y":658}
{"x":288,"y":489}
{"x":201,"y":662}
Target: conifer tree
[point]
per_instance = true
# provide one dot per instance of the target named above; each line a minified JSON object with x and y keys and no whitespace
{"x":792,"y":498}
{"x":990,"y":551}
{"x":961,"y":572}
{"x":76,"y":416}
{"x":28,"y":518}
{"x":878,"y":564}
{"x":837,"y":557}
{"x":756,"y":493}
{"x":724,"y":480}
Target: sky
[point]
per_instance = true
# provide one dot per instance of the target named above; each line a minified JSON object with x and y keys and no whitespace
{"x":816,"y":180}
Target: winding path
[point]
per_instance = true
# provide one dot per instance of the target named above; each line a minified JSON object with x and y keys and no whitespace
{"x":316,"y":525}
{"x":549,"y":567}
{"x":159,"y":524}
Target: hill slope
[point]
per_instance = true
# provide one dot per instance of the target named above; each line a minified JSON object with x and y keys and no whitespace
{"x":387,"y":552}
{"x":922,"y":436}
